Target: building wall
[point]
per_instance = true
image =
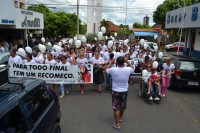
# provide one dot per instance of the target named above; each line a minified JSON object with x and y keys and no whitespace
{"x":90,"y":16}
{"x":98,"y":15}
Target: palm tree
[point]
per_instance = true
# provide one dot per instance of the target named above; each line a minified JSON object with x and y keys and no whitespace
{"x":105,"y":24}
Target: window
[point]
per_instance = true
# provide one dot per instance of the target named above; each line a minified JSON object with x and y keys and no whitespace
{"x":36,"y":102}
{"x":13,"y":122}
{"x":189,"y":65}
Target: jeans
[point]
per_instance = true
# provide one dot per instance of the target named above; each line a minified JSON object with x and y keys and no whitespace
{"x":154,"y":90}
{"x":108,"y":81}
{"x":62,"y":88}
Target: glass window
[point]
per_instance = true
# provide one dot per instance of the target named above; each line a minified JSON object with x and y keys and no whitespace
{"x":189,"y":65}
{"x":36,"y":102}
{"x":13,"y":122}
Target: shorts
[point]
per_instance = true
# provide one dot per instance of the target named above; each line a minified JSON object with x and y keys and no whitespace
{"x":119,"y":100}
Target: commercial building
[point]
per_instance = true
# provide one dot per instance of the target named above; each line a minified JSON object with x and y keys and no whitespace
{"x":15,"y":21}
{"x":187,"y":18}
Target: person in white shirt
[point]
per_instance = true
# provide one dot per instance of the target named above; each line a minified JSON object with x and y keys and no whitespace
{"x":28,"y":60}
{"x":168,"y":70}
{"x":2,"y":48}
{"x":50,"y":59}
{"x":120,"y":76}
{"x":5,"y":45}
{"x":35,"y":56}
{"x":14,"y":58}
{"x":98,"y":76}
{"x":62,"y":86}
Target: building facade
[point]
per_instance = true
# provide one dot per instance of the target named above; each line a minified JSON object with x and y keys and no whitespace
{"x":15,"y":21}
{"x":187,"y":18}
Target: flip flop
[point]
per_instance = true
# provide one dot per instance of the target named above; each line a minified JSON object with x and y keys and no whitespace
{"x":115,"y":127}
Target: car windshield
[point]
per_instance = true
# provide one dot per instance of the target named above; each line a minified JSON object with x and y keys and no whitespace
{"x":189,"y":65}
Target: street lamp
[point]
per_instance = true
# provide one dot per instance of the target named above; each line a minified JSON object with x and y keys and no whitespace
{"x":78,"y":19}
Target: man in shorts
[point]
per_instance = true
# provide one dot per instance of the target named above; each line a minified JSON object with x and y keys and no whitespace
{"x":120,"y":76}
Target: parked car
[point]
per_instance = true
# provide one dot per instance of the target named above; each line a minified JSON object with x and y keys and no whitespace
{"x":28,"y":105}
{"x":187,"y":73}
{"x":151,"y":46}
{"x":174,"y":46}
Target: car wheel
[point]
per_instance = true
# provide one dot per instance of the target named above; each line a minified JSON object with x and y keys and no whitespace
{"x":56,"y":128}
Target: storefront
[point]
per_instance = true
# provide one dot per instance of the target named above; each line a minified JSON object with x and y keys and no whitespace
{"x":187,"y":18}
{"x":16,"y":22}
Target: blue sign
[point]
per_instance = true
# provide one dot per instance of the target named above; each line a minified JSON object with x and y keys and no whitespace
{"x":6,"y":21}
{"x":194,"y":13}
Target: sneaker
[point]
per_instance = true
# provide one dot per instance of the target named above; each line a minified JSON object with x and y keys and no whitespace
{"x":157,"y":98}
{"x":62,"y":96}
{"x":67,"y":92}
{"x":151,"y":98}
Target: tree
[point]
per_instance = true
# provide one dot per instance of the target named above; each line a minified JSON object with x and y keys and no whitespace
{"x":168,"y":5}
{"x":105,"y":24}
{"x":59,"y":23}
{"x":138,"y":25}
{"x":90,"y":37}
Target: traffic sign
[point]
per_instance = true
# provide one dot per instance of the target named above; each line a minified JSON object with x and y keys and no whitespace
{"x":158,"y":27}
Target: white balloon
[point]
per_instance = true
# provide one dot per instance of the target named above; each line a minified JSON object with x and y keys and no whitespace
{"x":115,"y":34}
{"x":155,"y":48}
{"x":113,"y":38}
{"x":144,"y":72}
{"x":142,"y":41}
{"x":21,"y":52}
{"x":125,"y":42}
{"x":43,"y":39}
{"x":41,"y":59}
{"x":160,"y":55}
{"x":130,"y":27}
{"x":95,"y":38}
{"x":60,"y":44}
{"x":106,"y":37}
{"x":145,"y":46}
{"x":100,"y":35}
{"x":103,"y":29}
{"x":155,"y":64}
{"x":155,"y":37}
{"x":58,"y":49}
{"x":29,"y":49}
{"x":70,"y":41}
{"x":117,"y":54}
{"x":49,"y":44}
{"x":42,"y":48}
{"x":75,"y":38}
{"x":54,"y":47}
{"x":78,"y":43}
{"x":110,"y":44}
{"x":63,"y":41}
{"x":83,"y":39}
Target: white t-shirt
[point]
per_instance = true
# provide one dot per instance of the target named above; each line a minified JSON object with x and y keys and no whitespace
{"x":16,"y":59}
{"x":36,"y":59}
{"x":167,"y":69}
{"x":67,"y":64}
{"x":97,"y":61}
{"x":2,"y":49}
{"x":120,"y":76}
{"x":104,"y":48}
{"x":106,"y":57}
{"x":82,"y":61}
{"x":50,"y":62}
{"x":30,"y":62}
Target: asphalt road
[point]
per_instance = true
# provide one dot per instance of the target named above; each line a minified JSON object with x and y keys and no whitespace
{"x":178,"y":112}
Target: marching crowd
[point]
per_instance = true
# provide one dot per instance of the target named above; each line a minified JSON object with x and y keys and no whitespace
{"x":99,"y":54}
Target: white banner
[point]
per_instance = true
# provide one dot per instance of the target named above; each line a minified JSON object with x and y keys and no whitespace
{"x":55,"y":74}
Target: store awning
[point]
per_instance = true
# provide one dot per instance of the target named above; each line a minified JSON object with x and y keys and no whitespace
{"x":138,"y":33}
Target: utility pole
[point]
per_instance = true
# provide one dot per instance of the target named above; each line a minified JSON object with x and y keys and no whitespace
{"x":125,"y":21}
{"x":77,"y":19}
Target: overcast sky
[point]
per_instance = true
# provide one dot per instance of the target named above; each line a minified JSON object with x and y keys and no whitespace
{"x":112,"y":10}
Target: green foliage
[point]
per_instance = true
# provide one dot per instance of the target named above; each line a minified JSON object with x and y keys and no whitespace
{"x":168,"y":5}
{"x":59,"y":23}
{"x":105,"y":24}
{"x":123,"y":31}
{"x":90,"y":37}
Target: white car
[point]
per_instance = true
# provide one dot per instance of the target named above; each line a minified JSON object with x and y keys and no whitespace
{"x":151,"y":45}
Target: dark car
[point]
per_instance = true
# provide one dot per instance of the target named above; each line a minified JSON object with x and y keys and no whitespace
{"x":175,"y":46}
{"x":28,"y":105}
{"x":187,"y":73}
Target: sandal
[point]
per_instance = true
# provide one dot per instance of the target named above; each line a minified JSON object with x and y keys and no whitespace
{"x":115,"y":127}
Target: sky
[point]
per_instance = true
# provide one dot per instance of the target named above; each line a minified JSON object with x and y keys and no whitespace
{"x":112,"y":10}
